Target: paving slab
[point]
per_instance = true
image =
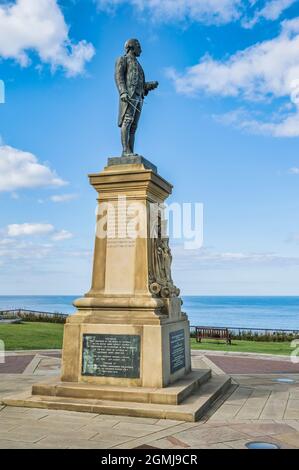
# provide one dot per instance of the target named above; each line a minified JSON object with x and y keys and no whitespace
{"x":68,"y":443}
{"x":241,"y":443}
{"x":15,"y":364}
{"x":226,"y":411}
{"x":111,"y":439}
{"x":16,"y":383}
{"x":220,"y":445}
{"x":239,"y":396}
{"x":9,"y":424}
{"x":127,"y":419}
{"x":136,"y":430}
{"x":59,"y":421}
{"x":167,"y":422}
{"x":209,"y":436}
{"x":258,"y":428}
{"x":64,"y":414}
{"x":7,"y":444}
{"x":13,"y":411}
{"x":169,"y":443}
{"x":23,"y":434}
{"x":292,"y":423}
{"x":292,"y":409}
{"x":159,"y":435}
{"x":291,"y":439}
{"x":275,"y":406}
{"x":99,"y":427}
{"x":253,"y":407}
{"x":248,"y":365}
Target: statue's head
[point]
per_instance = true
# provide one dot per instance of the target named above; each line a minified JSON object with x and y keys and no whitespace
{"x":133,"y":45}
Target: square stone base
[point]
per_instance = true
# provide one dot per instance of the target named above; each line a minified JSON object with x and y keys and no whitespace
{"x":171,"y":395}
{"x":187,"y":400}
{"x":163,"y":354}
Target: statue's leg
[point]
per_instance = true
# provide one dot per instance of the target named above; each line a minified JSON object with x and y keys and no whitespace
{"x":134,"y":126}
{"x":125,"y":134}
{"x":132,"y":138}
{"x":126,"y":130}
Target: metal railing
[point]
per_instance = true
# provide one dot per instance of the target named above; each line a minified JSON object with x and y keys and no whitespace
{"x":22,"y":311}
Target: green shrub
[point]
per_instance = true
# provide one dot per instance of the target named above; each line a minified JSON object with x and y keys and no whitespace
{"x":250,"y":335}
{"x":267,"y":336}
{"x":31,"y":317}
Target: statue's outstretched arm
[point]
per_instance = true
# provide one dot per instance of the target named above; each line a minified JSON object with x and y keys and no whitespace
{"x":149,"y":86}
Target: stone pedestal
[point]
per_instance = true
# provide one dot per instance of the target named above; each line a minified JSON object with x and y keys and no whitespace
{"x":127,"y":349}
{"x":130,"y":322}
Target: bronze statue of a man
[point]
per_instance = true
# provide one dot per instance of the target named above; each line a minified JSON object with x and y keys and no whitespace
{"x":132,"y":87}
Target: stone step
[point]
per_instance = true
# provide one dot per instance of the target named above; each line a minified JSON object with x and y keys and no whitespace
{"x":192,"y":409}
{"x":173,"y":394}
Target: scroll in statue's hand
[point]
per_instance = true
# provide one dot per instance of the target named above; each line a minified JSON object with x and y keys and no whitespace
{"x":152,"y":85}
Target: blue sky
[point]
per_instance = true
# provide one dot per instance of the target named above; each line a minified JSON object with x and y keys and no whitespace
{"x":223,"y":128}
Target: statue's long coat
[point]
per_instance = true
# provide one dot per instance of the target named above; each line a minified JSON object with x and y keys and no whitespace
{"x":129,"y":76}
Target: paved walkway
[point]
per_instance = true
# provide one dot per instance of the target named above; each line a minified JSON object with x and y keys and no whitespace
{"x":15,"y":364}
{"x":257,"y":408}
{"x":246,"y":365}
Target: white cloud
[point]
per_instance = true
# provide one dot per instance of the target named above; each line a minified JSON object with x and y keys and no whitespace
{"x":19,"y":169}
{"x":274,"y":8}
{"x":271,"y":11}
{"x":206,"y":258}
{"x":280,"y":126}
{"x":30,"y":242}
{"x":205,"y":11}
{"x":294,"y":170}
{"x":26,"y":249}
{"x":63,"y":197}
{"x":5,"y":241}
{"x":39,"y":26}
{"x":62,"y":235}
{"x":28,"y":229}
{"x":2,"y":95}
{"x":266,"y":71}
{"x":208,"y":11}
{"x":32,"y":229}
{"x":293,"y":238}
{"x":23,"y":250}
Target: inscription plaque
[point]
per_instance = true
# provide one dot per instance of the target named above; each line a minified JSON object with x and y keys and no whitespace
{"x":111,"y":356}
{"x":177,"y":350}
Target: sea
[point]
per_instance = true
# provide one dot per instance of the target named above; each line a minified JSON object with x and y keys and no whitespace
{"x":227,"y":311}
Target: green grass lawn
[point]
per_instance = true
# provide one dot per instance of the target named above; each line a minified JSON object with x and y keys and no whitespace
{"x":267,"y":347}
{"x":32,"y":336}
{"x":37,"y":335}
